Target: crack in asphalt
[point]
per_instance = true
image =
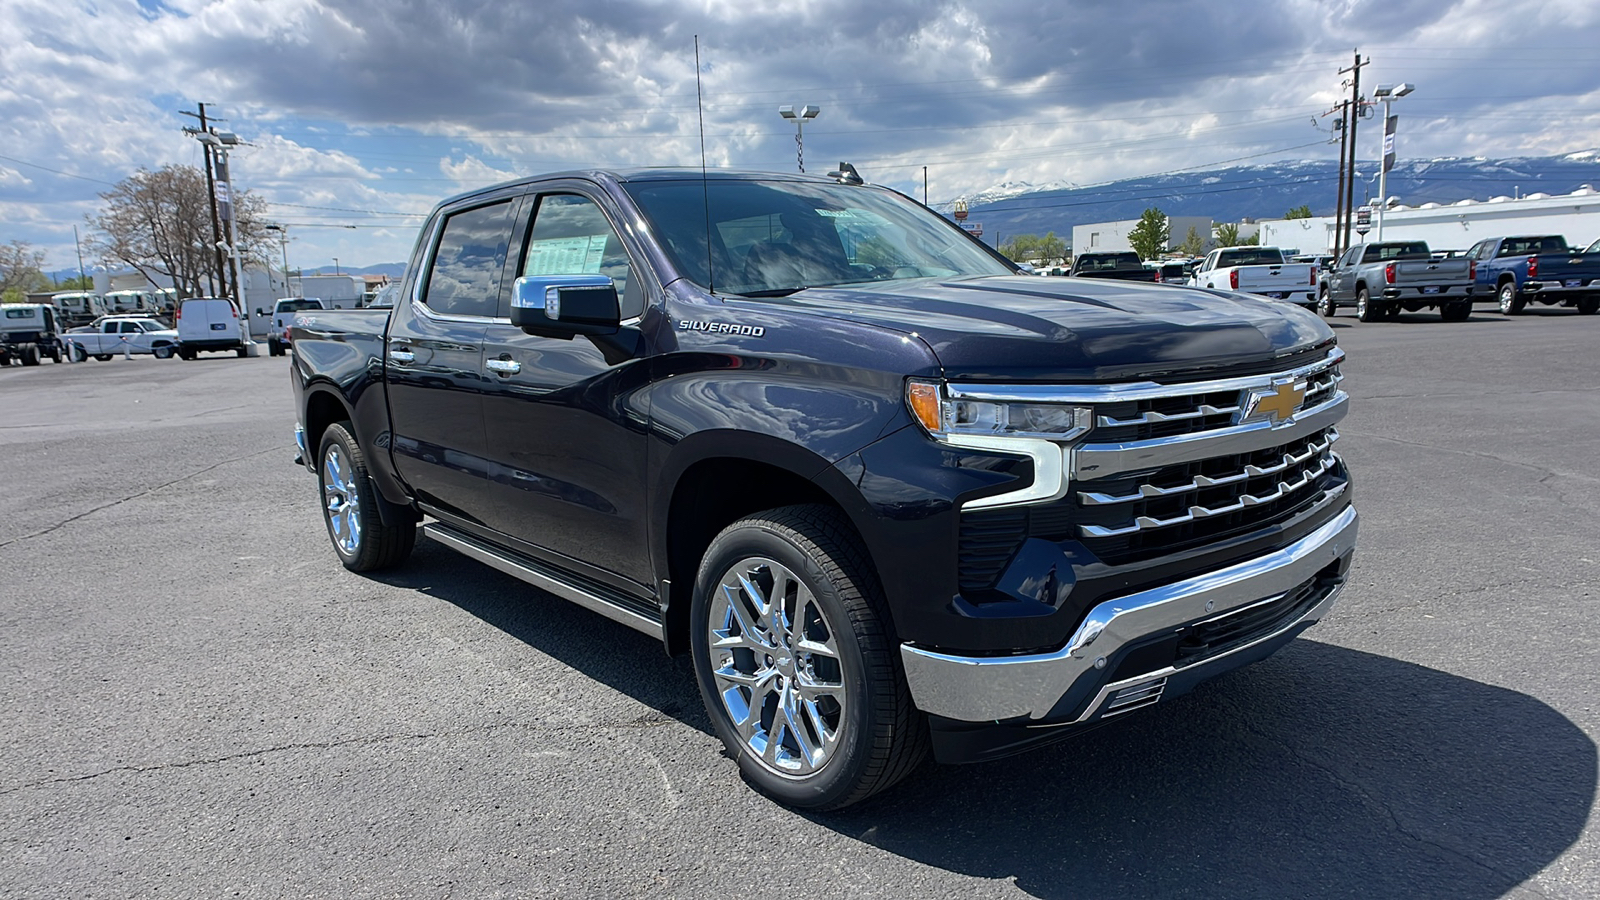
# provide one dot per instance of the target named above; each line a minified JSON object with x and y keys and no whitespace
{"x":1366,"y":797}
{"x":645,"y":721}
{"x":134,"y":496}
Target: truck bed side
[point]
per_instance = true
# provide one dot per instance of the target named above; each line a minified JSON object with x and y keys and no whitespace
{"x":337,"y":373}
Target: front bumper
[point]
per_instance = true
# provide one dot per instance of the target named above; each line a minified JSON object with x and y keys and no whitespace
{"x":1051,"y":685}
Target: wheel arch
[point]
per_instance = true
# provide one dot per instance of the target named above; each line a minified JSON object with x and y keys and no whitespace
{"x":718,"y":482}
{"x":324,"y":406}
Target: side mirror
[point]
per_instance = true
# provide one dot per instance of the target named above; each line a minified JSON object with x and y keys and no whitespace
{"x":260,"y":311}
{"x":564,"y":306}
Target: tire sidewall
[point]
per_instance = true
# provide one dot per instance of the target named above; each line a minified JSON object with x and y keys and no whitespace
{"x":337,"y":436}
{"x":1363,"y":305}
{"x":1508,"y":298}
{"x":840,"y":773}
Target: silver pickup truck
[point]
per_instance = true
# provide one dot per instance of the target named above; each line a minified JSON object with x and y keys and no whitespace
{"x":1384,"y":279}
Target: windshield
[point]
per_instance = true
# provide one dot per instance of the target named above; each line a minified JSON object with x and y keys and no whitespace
{"x":770,"y":238}
{"x":297,"y":305}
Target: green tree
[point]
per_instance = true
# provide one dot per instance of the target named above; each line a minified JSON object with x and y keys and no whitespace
{"x":1228,"y":235}
{"x":1149,"y":238}
{"x":1193,"y":244}
{"x":1031,"y":247}
{"x":76,"y":283}
{"x":1299,"y":212}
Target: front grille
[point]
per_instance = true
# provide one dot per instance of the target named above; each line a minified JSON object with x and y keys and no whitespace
{"x":1128,"y":515}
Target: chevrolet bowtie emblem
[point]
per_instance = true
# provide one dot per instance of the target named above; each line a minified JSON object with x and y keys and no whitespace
{"x":1277,"y":404}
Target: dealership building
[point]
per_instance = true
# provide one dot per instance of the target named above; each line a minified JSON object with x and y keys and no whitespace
{"x":1454,"y":226}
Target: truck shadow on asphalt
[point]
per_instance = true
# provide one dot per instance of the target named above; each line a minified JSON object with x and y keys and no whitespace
{"x":1320,"y":772}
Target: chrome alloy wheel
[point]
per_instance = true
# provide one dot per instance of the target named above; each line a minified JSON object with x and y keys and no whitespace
{"x":775,"y":660}
{"x":341,"y":501}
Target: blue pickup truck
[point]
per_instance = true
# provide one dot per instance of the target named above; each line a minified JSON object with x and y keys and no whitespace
{"x":1517,"y":271}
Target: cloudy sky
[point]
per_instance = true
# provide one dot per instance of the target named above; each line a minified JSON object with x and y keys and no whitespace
{"x":365,"y":113}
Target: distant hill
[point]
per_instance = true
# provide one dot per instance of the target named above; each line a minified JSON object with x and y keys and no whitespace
{"x":1268,"y":191}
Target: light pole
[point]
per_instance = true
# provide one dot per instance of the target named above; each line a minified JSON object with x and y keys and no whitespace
{"x":1388,"y":93}
{"x":336,"y":265}
{"x":799,"y":116}
{"x":283,"y":244}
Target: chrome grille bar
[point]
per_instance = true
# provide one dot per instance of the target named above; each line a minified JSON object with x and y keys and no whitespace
{"x":1245,"y":501}
{"x":1146,"y":491}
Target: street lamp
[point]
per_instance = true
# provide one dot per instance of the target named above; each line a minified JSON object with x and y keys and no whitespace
{"x":1388,"y":93}
{"x":799,"y":116}
{"x":283,"y":243}
{"x":336,"y":265}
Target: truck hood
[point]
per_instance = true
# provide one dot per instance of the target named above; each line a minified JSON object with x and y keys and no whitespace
{"x":1028,"y":328}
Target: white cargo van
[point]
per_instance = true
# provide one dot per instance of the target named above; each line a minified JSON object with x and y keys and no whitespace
{"x":207,"y":324}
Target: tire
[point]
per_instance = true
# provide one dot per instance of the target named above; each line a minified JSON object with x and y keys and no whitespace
{"x":1588,"y":306}
{"x":5,"y":360}
{"x":1455,"y":312}
{"x":79,"y":354}
{"x":274,"y":348}
{"x":54,"y":353}
{"x":1366,"y":310}
{"x":350,"y":507}
{"x":185,"y":355}
{"x":30,"y":354}
{"x":102,"y":357}
{"x":828,"y":663}
{"x":1510,"y":303}
{"x":1325,"y":301}
{"x":241,"y":352}
{"x":162,"y":352}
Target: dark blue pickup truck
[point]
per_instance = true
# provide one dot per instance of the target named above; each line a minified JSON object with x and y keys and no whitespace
{"x":890,"y":496}
{"x":1516,"y":271}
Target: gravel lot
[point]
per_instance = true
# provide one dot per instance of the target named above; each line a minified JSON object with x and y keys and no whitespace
{"x":197,"y":700}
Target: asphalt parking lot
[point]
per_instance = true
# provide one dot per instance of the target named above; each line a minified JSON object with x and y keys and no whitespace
{"x":197,"y":700}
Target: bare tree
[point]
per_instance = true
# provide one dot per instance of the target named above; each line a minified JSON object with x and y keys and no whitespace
{"x":159,"y":222}
{"x":21,"y":270}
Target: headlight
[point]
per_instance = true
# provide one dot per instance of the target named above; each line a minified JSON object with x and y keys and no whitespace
{"x":941,"y":415}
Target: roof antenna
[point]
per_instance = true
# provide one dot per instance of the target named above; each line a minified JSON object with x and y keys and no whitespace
{"x":705,"y":187}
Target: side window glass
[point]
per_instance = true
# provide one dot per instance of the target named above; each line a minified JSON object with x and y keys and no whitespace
{"x":130,"y":327}
{"x":571,"y":236}
{"x":465,"y":277}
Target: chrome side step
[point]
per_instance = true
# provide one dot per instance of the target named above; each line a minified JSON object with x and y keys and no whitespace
{"x":541,"y":578}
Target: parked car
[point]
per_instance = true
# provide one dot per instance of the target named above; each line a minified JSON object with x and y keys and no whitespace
{"x":1258,"y":270}
{"x":889,"y":502}
{"x":29,"y":332}
{"x":1516,"y":271}
{"x":283,"y":313}
{"x":122,"y":334}
{"x":1123,"y":266}
{"x":1385,"y":278}
{"x":1171,"y":272}
{"x":208,"y":325}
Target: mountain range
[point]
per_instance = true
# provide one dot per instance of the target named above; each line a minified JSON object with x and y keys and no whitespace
{"x":1267,"y":191}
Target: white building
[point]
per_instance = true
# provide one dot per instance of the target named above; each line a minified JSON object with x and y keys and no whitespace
{"x":1106,"y":237}
{"x":1455,"y":226}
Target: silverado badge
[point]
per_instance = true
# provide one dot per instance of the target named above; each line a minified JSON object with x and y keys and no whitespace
{"x":1276,"y":404}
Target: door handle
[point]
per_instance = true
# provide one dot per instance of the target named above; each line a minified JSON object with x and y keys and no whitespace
{"x":403,"y":355}
{"x":503,"y":367}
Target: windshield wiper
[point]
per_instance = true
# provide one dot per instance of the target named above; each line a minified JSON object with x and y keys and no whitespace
{"x":773,"y":292}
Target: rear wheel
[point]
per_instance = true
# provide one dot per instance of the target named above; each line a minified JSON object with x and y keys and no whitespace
{"x":163,"y":351}
{"x":1366,"y":310}
{"x":350,"y":507}
{"x":1588,"y":306}
{"x":185,"y":354}
{"x":30,"y":354}
{"x":241,"y":352}
{"x":54,"y":353}
{"x":274,"y":348}
{"x":796,"y":664}
{"x":1455,"y":312}
{"x":1510,"y":303}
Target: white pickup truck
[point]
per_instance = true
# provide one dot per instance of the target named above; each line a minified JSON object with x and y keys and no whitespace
{"x":110,"y":335}
{"x":1259,"y":270}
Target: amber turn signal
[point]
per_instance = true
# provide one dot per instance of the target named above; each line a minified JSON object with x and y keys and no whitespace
{"x":923,"y":398}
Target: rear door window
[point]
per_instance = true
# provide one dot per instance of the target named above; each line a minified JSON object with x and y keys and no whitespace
{"x":464,"y":279}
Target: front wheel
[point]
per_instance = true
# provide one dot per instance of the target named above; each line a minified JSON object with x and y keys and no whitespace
{"x":796,"y":664}
{"x":350,"y":507}
{"x":78,"y":354}
{"x":162,"y":351}
{"x":1510,"y":303}
{"x":1329,"y":307}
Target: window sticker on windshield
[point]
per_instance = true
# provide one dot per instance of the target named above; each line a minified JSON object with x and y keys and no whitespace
{"x":837,"y":213}
{"x":566,"y":256}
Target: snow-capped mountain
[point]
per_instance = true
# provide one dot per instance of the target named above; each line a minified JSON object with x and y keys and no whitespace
{"x":1269,"y":191}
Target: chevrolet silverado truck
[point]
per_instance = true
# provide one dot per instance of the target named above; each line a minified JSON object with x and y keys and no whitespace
{"x":889,"y":495}
{"x":1259,"y":270}
{"x":1387,"y":278}
{"x":1124,"y":266}
{"x":1515,"y":271}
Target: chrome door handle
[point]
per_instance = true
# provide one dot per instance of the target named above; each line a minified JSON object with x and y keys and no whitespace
{"x":503,"y":367}
{"x":402,"y":355}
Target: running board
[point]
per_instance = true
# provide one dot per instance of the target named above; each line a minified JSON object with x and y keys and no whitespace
{"x":541,"y":577}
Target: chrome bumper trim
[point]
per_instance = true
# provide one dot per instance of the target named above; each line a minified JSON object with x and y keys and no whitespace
{"x":990,"y":688}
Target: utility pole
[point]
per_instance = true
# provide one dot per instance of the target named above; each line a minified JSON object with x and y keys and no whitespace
{"x":1344,"y":143}
{"x":1355,"y":116}
{"x":924,"y":185}
{"x":220,"y":275}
